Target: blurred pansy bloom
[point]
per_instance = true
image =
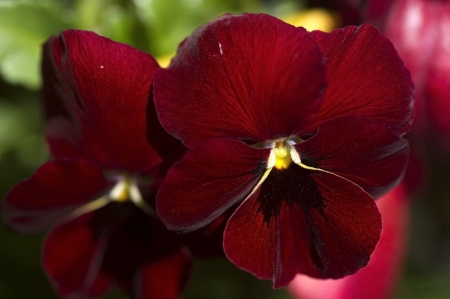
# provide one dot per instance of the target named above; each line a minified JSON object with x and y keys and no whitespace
{"x":299,"y":129}
{"x":379,"y":278}
{"x":420,"y":31}
{"x":98,"y":192}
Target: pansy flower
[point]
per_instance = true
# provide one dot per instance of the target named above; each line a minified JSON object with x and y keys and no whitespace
{"x":300,"y":129}
{"x":98,"y":192}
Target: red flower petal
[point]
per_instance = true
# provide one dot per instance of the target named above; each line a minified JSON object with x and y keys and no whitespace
{"x":96,"y":92}
{"x":366,"y":153}
{"x":164,"y":279}
{"x":366,"y":78}
{"x":56,"y":189}
{"x":248,"y":77}
{"x":305,"y":222}
{"x":379,"y":278}
{"x":208,"y":180}
{"x":72,"y":258}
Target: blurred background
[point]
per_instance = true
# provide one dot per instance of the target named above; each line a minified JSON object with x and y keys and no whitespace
{"x":156,"y":27}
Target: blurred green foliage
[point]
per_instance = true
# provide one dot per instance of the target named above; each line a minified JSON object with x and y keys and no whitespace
{"x":24,"y":26}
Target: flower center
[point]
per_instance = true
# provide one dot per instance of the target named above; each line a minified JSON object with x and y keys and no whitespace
{"x":282,"y":155}
{"x":125,"y":190}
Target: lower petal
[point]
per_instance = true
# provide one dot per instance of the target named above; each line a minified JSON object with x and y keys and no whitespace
{"x":379,"y":278}
{"x":306,"y":222}
{"x":72,"y":257}
{"x":166,"y":278}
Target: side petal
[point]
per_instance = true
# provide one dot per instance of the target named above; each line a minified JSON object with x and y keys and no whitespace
{"x":379,"y":278}
{"x":57,"y":188}
{"x":237,"y":77}
{"x":72,"y":257}
{"x":208,"y":180}
{"x":364,"y":152}
{"x":306,"y":222}
{"x":366,"y":78}
{"x":100,"y":90}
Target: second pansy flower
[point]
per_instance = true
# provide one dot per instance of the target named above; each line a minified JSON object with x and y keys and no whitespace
{"x":300,"y":130}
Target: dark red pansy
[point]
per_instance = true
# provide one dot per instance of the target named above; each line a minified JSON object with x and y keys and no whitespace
{"x":296,"y":131}
{"x":98,"y":192}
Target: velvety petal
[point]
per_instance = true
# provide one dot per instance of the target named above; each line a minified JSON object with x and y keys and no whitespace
{"x":96,"y":93}
{"x":366,"y":78}
{"x":143,"y":257}
{"x":207,"y":180}
{"x":164,"y":279}
{"x":57,"y":188}
{"x":72,"y":256}
{"x":380,"y":277}
{"x":365,"y":152}
{"x":248,"y":77}
{"x":303,"y":221}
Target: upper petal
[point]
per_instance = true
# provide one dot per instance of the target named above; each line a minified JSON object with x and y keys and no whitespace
{"x":306,"y":222}
{"x":250,"y":77}
{"x":95,"y":94}
{"x":366,"y":78}
{"x":57,"y":188}
{"x":208,"y":180}
{"x":365,"y":152}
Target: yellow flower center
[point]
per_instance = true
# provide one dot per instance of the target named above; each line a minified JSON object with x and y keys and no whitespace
{"x":282,"y":156}
{"x":125,"y":190}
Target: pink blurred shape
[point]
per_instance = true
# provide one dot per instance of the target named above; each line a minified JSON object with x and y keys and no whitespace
{"x":420,"y":31}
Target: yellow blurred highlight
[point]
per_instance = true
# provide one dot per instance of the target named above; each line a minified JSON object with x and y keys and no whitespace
{"x":164,"y":60}
{"x":313,"y":19}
